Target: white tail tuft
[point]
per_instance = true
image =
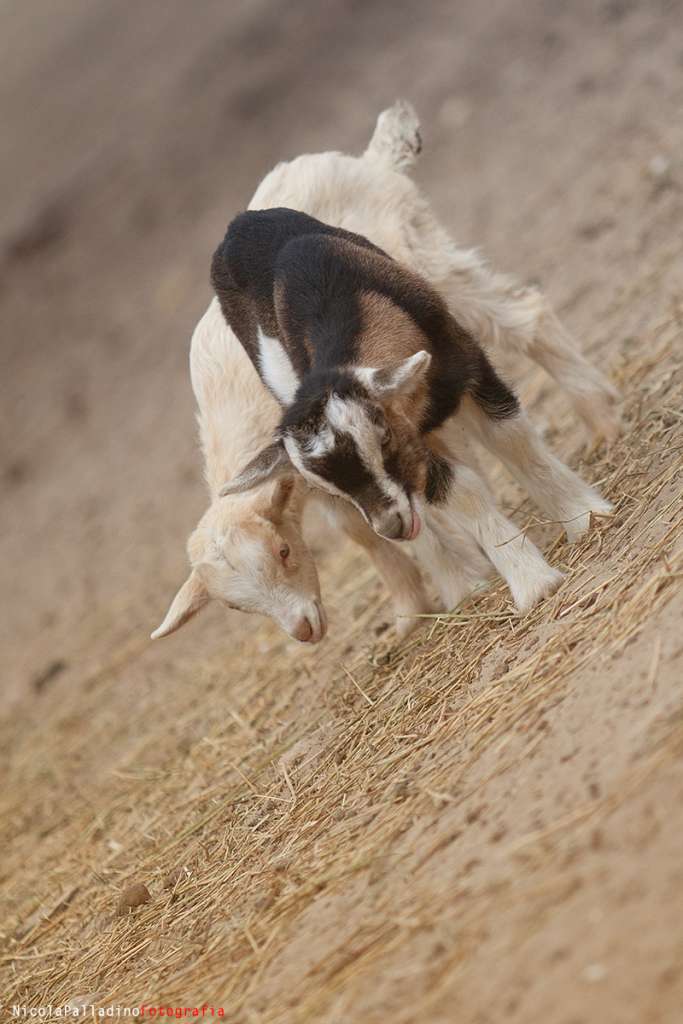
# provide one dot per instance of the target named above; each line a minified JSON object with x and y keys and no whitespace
{"x":396,"y":141}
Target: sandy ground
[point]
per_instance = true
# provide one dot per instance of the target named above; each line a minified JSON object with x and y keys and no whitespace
{"x":482,"y":826}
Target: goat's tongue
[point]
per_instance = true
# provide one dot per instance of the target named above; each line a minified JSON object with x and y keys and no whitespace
{"x":415,"y":527}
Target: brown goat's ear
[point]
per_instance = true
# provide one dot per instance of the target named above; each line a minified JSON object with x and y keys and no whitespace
{"x":269,"y":464}
{"x":190,"y":599}
{"x":403,"y":378}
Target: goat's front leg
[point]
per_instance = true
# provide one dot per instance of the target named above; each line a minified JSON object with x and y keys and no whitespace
{"x":399,"y":572}
{"x":455,"y":563}
{"x":471,"y":507}
{"x":559,"y":492}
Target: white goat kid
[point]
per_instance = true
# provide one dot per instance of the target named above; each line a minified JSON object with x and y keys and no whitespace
{"x":248,"y":551}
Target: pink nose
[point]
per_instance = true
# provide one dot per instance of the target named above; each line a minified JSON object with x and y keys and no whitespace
{"x":303,"y":631}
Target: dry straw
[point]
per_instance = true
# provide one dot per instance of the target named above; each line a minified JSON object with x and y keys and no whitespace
{"x":293,"y":786}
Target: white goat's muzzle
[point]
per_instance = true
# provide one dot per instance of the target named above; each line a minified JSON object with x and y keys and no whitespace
{"x":307,"y":623}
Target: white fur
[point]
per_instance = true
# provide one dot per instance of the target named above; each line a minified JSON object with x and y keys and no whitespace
{"x":405,"y":378}
{"x":559,"y":492}
{"x":348,"y":416}
{"x":277,"y":369}
{"x":321,"y":444}
{"x":472,"y":509}
{"x":234,"y":549}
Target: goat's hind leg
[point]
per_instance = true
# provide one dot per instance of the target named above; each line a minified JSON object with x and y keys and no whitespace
{"x":493,"y":415}
{"x":554,"y":349}
{"x":510,"y":319}
{"x":527,"y":325}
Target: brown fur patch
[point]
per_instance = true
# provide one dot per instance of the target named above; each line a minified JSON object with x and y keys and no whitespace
{"x":278,"y":319}
{"x":388,"y":334}
{"x":408,"y":459}
{"x":378,"y":263}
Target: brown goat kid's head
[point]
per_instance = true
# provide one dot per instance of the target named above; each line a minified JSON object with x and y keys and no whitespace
{"x":355,"y":433}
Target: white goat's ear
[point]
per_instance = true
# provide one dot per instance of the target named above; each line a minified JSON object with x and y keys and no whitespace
{"x":190,"y":599}
{"x":401,"y":379}
{"x":269,"y":464}
{"x":282,"y":492}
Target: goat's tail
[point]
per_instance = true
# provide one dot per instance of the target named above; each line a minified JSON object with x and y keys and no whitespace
{"x":396,"y":140}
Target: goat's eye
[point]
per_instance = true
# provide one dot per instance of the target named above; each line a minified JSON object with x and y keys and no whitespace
{"x":284,"y":552}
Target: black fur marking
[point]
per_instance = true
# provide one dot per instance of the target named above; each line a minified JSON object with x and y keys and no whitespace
{"x":492,"y":395}
{"x":392,"y":467}
{"x":439,"y":480}
{"x":343,"y":467}
{"x":322,"y":299}
{"x":308,"y":409}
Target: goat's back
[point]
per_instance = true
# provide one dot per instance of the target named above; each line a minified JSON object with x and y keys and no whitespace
{"x":236,"y":414}
{"x":354,"y":193}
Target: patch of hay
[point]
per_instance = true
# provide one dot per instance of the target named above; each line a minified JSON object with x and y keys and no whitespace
{"x":286,"y":816}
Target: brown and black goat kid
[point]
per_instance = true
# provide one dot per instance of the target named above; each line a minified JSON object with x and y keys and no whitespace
{"x":373,"y":371}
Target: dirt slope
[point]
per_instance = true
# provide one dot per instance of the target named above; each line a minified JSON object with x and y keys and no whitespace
{"x":482,"y":826}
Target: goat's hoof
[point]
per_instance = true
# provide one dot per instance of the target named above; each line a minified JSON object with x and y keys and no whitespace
{"x":604,"y":427}
{"x":410,"y":619}
{"x":577,"y":526}
{"x":600,"y":414}
{"x":405,"y":625}
{"x":536,"y":589}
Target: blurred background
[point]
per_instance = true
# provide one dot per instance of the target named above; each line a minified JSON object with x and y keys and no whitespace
{"x":132,"y":132}
{"x":469,"y":838}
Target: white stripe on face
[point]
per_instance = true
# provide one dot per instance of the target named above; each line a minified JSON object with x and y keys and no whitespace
{"x":277,"y":369}
{"x":321,"y":443}
{"x":299,"y":462}
{"x":350,"y":417}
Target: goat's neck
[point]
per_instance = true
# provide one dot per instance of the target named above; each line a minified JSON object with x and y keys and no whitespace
{"x":230,"y":438}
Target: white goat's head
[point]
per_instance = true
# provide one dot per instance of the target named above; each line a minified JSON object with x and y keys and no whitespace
{"x":251,"y":556}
